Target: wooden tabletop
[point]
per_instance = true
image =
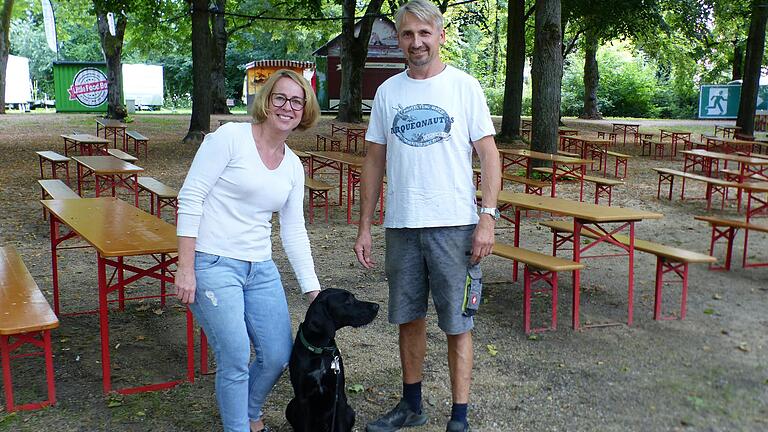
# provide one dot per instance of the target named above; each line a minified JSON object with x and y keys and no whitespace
{"x":674,"y":131}
{"x":726,"y":156}
{"x":545,"y":156}
{"x":581,"y":210}
{"x":114,"y":227}
{"x":626,"y":124}
{"x":85,"y":138}
{"x":107,"y":165}
{"x":728,"y":140}
{"x":336,"y":156}
{"x":589,"y":140}
{"x":24,"y":307}
{"x":111,"y":123}
{"x":52,"y":156}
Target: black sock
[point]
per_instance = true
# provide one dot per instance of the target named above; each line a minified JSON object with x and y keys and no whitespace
{"x":459,"y":413}
{"x":412,"y":396}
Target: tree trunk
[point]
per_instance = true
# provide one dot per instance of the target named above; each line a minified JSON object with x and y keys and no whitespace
{"x":200,"y":121}
{"x":546,"y":74}
{"x":354,"y":51}
{"x":5,"y":47}
{"x":738,"y":61}
{"x":113,"y":51}
{"x":495,"y":46}
{"x":513,"y":80}
{"x":754,"y":60}
{"x":591,"y":79}
{"x":219,"y":60}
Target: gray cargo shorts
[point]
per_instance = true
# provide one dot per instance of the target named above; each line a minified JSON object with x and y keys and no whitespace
{"x":420,"y":260}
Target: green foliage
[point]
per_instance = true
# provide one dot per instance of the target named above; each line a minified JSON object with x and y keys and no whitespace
{"x":629,"y":86}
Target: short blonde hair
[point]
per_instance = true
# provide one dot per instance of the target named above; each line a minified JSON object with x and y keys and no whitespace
{"x":424,"y":10}
{"x":260,"y":106}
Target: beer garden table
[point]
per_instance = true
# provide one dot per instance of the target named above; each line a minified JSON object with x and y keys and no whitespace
{"x":84,"y":144}
{"x":108,"y":173}
{"x":118,"y":231}
{"x":593,"y":218}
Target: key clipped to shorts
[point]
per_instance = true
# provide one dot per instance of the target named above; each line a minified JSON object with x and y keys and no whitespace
{"x":473,"y":290}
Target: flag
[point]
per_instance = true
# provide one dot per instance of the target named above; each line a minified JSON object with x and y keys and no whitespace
{"x":50,"y":25}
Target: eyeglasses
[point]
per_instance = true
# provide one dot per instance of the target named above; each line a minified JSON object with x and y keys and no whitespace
{"x":279,"y":100}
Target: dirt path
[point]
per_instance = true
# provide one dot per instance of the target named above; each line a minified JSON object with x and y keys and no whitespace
{"x":707,"y":373}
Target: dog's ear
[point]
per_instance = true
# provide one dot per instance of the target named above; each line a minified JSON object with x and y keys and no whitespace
{"x":318,"y":320}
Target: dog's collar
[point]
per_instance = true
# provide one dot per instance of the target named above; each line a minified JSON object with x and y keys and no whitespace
{"x":312,"y":348}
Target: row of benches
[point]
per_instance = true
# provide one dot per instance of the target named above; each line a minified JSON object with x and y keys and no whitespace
{"x":542,"y":267}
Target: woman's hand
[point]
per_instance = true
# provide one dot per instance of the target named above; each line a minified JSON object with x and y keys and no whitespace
{"x":312,"y":295}
{"x":185,"y":284}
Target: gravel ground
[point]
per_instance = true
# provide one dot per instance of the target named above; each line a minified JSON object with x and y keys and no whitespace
{"x":706,"y":373}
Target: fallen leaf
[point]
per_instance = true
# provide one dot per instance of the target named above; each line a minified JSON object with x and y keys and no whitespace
{"x":140,"y":338}
{"x":355,"y":388}
{"x":158,"y":311}
{"x":492,"y":350}
{"x":533,"y":337}
{"x":743,"y":347}
{"x":709,"y":311}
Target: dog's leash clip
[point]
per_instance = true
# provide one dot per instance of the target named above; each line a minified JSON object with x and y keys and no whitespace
{"x":335,"y":365}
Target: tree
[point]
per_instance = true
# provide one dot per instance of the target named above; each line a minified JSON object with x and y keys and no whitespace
{"x":513,"y":80}
{"x":112,"y":46}
{"x":219,"y":40}
{"x":752,"y":67}
{"x":354,"y":50}
{"x":5,"y":47}
{"x":546,"y":75}
{"x":591,"y":77}
{"x":200,"y":121}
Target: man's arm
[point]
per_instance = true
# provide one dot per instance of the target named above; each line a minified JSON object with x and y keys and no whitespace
{"x":490,"y":172}
{"x":370,"y":185}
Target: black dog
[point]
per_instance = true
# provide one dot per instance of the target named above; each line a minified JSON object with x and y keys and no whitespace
{"x":317,"y":371}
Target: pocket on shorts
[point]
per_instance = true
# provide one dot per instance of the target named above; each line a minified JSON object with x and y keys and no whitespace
{"x":473,"y":290}
{"x":204,"y":261}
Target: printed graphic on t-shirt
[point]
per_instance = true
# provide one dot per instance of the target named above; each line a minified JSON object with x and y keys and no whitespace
{"x":421,"y":125}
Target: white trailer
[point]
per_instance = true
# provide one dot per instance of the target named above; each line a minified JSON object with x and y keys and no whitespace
{"x":18,"y":86}
{"x":143,"y":84}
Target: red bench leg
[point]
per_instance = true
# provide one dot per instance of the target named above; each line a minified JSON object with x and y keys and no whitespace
{"x":40,"y":339}
{"x":681,"y":269}
{"x":530,"y":276}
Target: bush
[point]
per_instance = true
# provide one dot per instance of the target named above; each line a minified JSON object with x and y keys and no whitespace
{"x":495,"y":99}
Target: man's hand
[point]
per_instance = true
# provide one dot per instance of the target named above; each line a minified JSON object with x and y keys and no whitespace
{"x":483,"y":238}
{"x":363,"y":246}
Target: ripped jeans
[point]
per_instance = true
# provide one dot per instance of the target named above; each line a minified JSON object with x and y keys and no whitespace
{"x":239,"y":304}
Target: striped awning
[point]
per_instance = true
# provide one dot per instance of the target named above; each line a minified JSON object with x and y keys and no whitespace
{"x":282,"y":64}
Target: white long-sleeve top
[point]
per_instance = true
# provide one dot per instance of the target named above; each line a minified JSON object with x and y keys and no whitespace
{"x":229,"y":196}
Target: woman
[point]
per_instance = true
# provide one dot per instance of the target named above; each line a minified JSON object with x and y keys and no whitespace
{"x":240,"y":176}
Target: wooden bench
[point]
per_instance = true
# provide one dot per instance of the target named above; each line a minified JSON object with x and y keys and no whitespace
{"x":532,"y":186}
{"x":714,"y":185}
{"x":610,"y":136}
{"x":123,"y":156}
{"x":537,"y":267}
{"x":668,"y":260}
{"x":57,"y":161}
{"x":55,"y":189}
{"x":603,"y":186}
{"x":25,"y":317}
{"x":727,"y":229}
{"x":138,"y":140}
{"x":621,"y":161}
{"x":303,"y":157}
{"x":656,"y":148}
{"x":329,"y":142}
{"x":318,"y":196}
{"x":160,"y":195}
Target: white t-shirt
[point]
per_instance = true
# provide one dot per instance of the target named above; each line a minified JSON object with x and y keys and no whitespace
{"x":229,"y":196}
{"x":428,"y":127}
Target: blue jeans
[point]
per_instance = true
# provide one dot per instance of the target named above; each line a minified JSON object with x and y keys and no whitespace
{"x":239,"y":304}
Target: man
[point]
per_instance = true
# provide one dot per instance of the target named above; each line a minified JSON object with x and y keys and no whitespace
{"x":424,"y":124}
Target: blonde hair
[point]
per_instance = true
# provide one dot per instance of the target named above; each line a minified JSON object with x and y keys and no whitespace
{"x":424,"y":10}
{"x":309,"y":115}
